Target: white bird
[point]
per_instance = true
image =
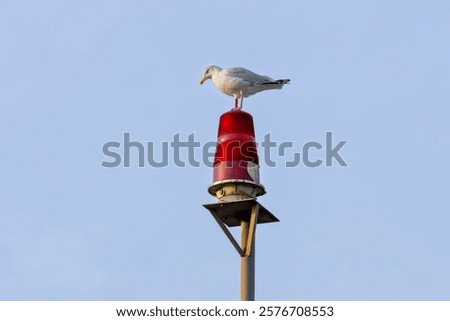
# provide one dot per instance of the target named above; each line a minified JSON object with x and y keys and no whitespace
{"x":240,"y":82}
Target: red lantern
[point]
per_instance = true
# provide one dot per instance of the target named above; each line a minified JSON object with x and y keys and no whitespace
{"x":236,"y":163}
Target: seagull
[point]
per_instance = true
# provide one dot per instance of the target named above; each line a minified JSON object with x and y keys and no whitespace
{"x":240,"y":82}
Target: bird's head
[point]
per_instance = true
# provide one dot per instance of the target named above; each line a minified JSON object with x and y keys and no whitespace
{"x":209,"y":72}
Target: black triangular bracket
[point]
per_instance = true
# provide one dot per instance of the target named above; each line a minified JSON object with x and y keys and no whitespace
{"x":234,"y":213}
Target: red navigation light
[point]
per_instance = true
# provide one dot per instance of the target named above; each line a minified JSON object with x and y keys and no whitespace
{"x":236,"y":169}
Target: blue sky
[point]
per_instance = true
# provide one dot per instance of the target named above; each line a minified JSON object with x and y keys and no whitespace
{"x":77,"y":74}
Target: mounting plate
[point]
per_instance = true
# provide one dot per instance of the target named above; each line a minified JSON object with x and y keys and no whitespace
{"x":232,"y":213}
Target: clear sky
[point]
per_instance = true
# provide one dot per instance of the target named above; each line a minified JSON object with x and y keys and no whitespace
{"x":77,"y":74}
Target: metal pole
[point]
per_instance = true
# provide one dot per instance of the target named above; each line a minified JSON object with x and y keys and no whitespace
{"x":235,"y":213}
{"x":247,"y":264}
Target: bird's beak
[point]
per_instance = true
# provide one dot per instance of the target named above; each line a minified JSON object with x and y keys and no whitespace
{"x":202,"y":80}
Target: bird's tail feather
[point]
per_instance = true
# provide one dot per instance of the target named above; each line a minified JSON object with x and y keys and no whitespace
{"x":277,"y":82}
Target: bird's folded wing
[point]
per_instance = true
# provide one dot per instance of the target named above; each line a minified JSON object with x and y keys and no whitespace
{"x":248,"y":75}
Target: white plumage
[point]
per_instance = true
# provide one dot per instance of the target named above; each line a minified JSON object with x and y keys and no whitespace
{"x":240,"y":82}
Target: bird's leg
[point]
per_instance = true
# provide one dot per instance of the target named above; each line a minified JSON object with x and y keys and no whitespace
{"x":236,"y":104}
{"x":242,"y":99}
